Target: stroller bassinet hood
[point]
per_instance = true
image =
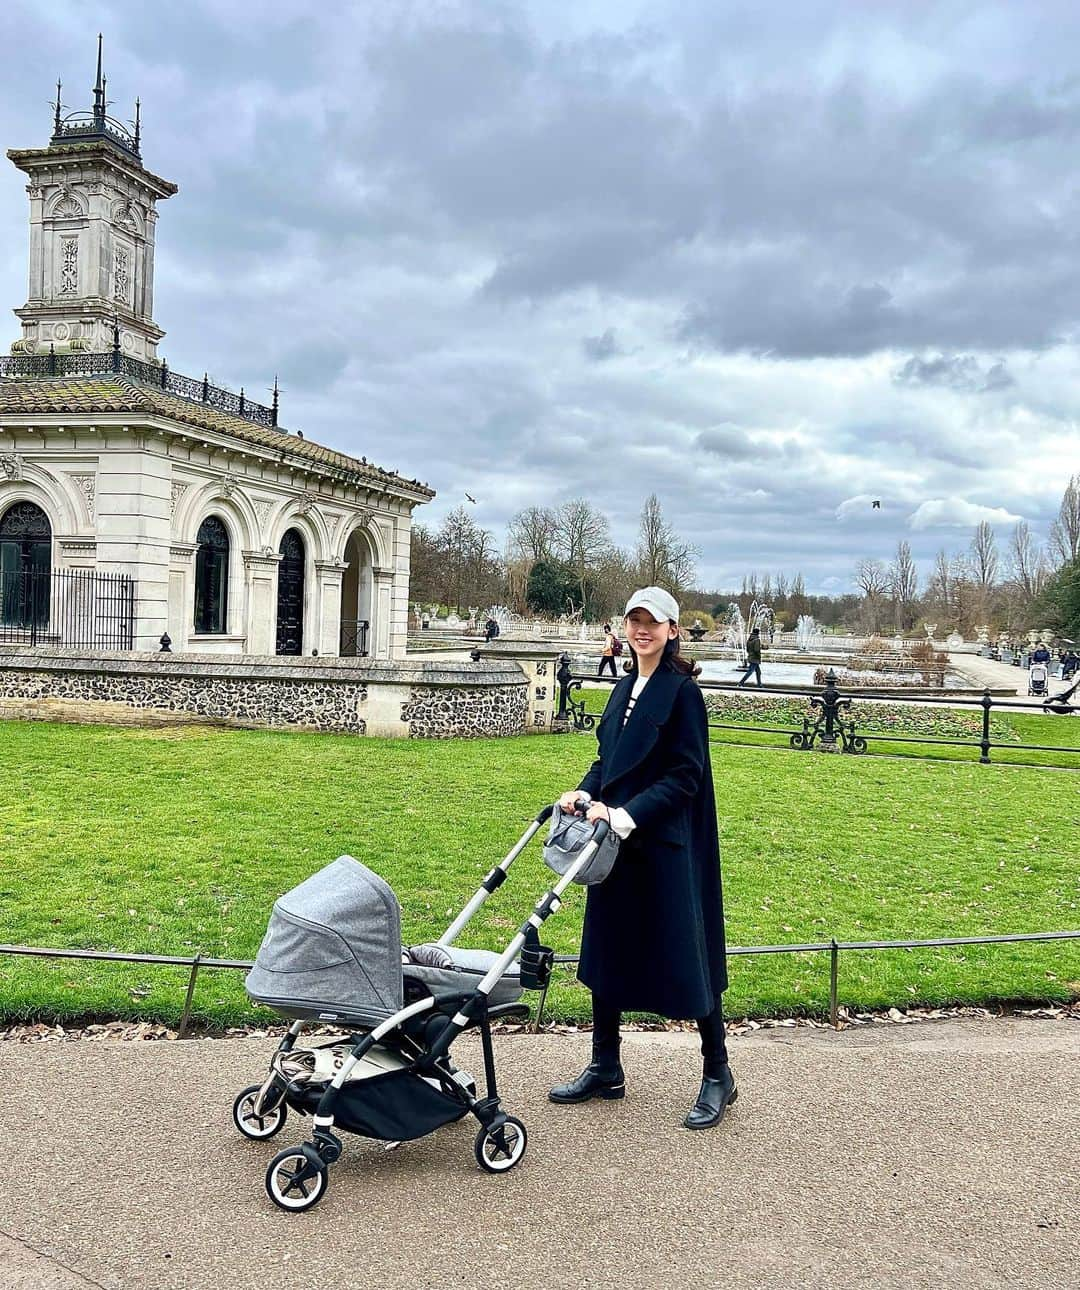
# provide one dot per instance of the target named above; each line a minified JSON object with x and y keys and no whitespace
{"x":332,"y":948}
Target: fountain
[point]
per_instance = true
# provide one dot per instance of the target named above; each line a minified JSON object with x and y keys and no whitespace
{"x":808,"y":634}
{"x":736,"y":628}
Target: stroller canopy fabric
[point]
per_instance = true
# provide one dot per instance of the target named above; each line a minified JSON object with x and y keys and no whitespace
{"x":332,"y":949}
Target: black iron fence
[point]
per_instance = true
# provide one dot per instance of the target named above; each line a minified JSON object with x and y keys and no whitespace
{"x":116,"y":363}
{"x":80,"y":608}
{"x":354,"y":638}
{"x":828,"y":723}
{"x":196,"y":962}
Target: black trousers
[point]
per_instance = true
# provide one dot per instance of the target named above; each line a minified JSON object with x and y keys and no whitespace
{"x":605,"y":1042}
{"x":607,"y":658}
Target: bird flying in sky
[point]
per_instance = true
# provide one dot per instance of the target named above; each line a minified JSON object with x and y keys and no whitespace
{"x":875,"y":506}
{"x":469,"y":497}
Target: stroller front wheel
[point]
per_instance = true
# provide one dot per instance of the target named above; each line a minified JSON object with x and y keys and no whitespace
{"x":293,"y":1182}
{"x":499,"y":1147}
{"x":252,"y":1122}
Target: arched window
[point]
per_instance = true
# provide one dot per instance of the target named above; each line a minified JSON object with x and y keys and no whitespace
{"x":211,"y":577}
{"x":290,"y":601}
{"x":25,"y":565}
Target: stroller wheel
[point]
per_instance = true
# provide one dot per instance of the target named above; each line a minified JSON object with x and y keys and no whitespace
{"x":250,"y":1122}
{"x":499,"y":1147}
{"x":293,"y":1182}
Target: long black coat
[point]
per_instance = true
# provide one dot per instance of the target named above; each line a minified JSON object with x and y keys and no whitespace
{"x":653,"y":939}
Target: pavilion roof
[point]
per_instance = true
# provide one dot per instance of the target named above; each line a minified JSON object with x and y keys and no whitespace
{"x":115,"y":394}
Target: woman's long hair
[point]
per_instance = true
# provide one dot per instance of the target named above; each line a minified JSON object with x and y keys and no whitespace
{"x":671,"y":658}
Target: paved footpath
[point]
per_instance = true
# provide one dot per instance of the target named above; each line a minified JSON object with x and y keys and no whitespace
{"x":940,"y":1154}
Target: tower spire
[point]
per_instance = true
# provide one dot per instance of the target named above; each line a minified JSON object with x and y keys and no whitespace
{"x":99,"y":86}
{"x":56,"y":118}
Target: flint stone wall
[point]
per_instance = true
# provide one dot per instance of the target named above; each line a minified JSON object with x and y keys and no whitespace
{"x":440,"y":700}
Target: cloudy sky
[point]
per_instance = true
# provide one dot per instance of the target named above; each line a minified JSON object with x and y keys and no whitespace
{"x":768,"y":260}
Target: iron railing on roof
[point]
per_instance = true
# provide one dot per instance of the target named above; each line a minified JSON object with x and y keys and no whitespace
{"x":157,"y":375}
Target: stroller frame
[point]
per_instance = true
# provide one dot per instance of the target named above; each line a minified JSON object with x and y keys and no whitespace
{"x":297,"y":1178}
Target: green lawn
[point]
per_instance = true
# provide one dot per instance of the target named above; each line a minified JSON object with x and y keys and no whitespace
{"x":178,"y":840}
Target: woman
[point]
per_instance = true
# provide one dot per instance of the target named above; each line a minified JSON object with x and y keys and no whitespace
{"x":653,"y":939}
{"x":608,"y":657}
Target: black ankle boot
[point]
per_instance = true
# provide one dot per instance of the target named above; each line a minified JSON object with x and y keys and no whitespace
{"x":594,"y":1081}
{"x":715,"y":1097}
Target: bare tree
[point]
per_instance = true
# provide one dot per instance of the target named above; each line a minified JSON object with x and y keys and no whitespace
{"x":984,"y":555}
{"x":663,"y":560}
{"x":1065,"y":530}
{"x":1027,"y":565}
{"x":581,"y":539}
{"x":903,"y":586}
{"x":532,"y":533}
{"x":873,"y":582}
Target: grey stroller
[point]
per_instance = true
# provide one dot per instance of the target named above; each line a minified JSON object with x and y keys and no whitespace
{"x":332,"y":954}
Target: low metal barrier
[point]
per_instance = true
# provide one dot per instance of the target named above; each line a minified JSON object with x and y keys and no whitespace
{"x":828,"y":724}
{"x":196,"y":962}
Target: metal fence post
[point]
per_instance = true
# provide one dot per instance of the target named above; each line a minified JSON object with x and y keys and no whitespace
{"x":834,"y":967}
{"x":540,"y":1008}
{"x":563,"y":676}
{"x":185,"y":1015}
{"x":986,"y":701}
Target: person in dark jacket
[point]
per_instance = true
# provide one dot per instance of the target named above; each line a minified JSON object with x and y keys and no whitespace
{"x":653,"y":939}
{"x":753,"y":656}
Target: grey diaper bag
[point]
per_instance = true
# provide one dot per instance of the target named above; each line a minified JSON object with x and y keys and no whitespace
{"x":568,"y":837}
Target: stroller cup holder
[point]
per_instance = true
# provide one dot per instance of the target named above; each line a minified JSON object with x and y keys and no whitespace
{"x":536,"y":962}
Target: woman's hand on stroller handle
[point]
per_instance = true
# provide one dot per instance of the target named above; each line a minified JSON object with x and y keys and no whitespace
{"x":578,"y":803}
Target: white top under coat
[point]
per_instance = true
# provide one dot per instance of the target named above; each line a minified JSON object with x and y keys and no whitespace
{"x":621,"y":820}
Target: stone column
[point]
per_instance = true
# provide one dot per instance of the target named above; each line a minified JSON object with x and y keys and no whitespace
{"x":382,"y":606}
{"x":328,"y":576}
{"x":133,"y":525}
{"x":540,"y":667}
{"x":260,"y":571}
{"x":181,"y":593}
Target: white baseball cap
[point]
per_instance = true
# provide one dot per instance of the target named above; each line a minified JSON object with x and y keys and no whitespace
{"x":660,"y":603}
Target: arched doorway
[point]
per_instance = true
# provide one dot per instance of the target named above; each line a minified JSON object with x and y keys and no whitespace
{"x":356,"y":599}
{"x":25,"y":566}
{"x":290,"y":595}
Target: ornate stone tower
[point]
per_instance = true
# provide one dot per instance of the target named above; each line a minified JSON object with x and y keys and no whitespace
{"x":92,"y":218}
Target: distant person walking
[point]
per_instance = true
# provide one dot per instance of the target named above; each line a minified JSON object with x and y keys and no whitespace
{"x":753,"y":657}
{"x":1041,"y":654}
{"x":607,"y":659}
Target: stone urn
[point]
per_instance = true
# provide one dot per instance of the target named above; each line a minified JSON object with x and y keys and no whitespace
{"x":697,"y":631}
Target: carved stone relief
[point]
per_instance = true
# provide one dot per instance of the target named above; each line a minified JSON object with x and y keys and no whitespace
{"x":69,"y":266}
{"x":11,"y":465}
{"x":87,"y":485}
{"x":177,"y":491}
{"x":120,"y":275}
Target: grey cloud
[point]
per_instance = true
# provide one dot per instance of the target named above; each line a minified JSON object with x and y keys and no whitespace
{"x":733,"y":444}
{"x":437,"y":222}
{"x":599,"y":348}
{"x":956,"y":372}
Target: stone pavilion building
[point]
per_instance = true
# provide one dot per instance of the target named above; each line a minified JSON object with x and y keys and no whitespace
{"x":136,"y":503}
